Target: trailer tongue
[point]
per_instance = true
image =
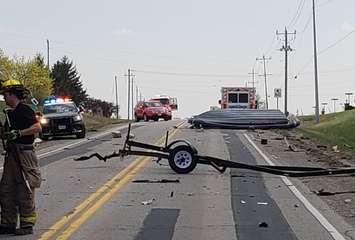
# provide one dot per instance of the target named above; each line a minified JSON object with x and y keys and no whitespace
{"x":183,"y":158}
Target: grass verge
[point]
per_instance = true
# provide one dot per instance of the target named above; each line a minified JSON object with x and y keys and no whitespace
{"x":333,"y":129}
{"x":93,"y":123}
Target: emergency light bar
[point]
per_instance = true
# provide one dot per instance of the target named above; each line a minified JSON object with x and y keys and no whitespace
{"x":56,"y":101}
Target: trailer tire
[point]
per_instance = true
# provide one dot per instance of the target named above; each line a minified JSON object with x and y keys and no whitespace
{"x":182,"y":159}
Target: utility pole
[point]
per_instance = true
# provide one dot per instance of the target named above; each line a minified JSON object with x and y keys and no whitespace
{"x":315,"y":64}
{"x":132,"y":96}
{"x":129,"y":93}
{"x":286,"y":48}
{"x":334,"y":100}
{"x":266,"y":96}
{"x":348,"y":94}
{"x":323,"y":109}
{"x":116,"y":89}
{"x":48,"y":54}
{"x":253,"y":77}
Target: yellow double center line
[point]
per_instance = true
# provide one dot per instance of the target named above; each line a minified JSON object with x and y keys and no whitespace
{"x":69,"y":223}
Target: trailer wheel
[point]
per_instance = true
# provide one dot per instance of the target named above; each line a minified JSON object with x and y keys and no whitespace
{"x":182,"y":159}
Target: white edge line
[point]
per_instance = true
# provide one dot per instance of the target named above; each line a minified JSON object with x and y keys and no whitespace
{"x":322,"y":220}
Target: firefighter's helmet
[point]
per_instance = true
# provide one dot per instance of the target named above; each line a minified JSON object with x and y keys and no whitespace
{"x":15,"y":87}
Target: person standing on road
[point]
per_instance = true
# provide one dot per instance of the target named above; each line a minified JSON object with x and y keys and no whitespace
{"x":21,"y":172}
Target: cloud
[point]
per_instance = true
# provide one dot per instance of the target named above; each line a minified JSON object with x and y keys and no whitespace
{"x":122,"y":32}
{"x":347,"y":27}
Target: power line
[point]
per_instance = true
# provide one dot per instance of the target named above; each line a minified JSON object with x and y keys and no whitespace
{"x":337,"y":42}
{"x":307,"y":24}
{"x":191,"y":74}
{"x":324,"y":50}
{"x":325,"y":3}
{"x":295,"y":18}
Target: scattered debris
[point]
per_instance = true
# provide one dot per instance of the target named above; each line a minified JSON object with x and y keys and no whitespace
{"x":278,"y":138}
{"x":263,"y":225}
{"x":150,"y":201}
{"x":322,"y":146}
{"x":263,"y":141}
{"x":157,"y":181}
{"x":289,"y":146}
{"x":172,"y":194}
{"x":262,"y":203}
{"x":116,"y":134}
{"x":190,"y":194}
{"x":335,"y":148}
{"x":243,"y":202}
{"x":348,"y":200}
{"x":321,"y":192}
{"x":296,"y":205}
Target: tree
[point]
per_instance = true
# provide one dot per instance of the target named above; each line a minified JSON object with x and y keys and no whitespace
{"x":6,"y":67}
{"x":31,"y":73}
{"x":67,"y":81}
{"x":98,"y":107}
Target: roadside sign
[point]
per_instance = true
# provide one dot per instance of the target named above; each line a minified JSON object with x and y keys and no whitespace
{"x":277,"y":92}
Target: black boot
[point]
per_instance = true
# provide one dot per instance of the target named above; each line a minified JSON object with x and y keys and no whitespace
{"x":24,"y":230}
{"x":7,"y":229}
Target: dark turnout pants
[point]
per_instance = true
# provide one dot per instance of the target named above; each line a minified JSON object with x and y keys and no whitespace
{"x":17,"y":196}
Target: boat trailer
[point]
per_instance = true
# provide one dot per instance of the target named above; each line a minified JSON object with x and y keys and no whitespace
{"x":183,"y":157}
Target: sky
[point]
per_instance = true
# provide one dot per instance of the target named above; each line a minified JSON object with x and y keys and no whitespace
{"x":189,"y":49}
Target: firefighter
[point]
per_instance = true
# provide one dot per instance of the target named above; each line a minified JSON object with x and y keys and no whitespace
{"x":21,"y":172}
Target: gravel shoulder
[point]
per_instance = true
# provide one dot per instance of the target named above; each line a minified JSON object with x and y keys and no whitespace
{"x":338,"y":192}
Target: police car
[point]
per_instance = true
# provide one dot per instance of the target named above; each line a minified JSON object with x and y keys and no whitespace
{"x":61,"y":117}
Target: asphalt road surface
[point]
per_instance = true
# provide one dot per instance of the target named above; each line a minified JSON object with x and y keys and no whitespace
{"x":136,"y":198}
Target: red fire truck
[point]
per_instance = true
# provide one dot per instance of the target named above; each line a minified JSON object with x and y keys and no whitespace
{"x":238,"y":98}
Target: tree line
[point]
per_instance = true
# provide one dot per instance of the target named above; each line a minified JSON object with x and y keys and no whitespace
{"x":62,"y":80}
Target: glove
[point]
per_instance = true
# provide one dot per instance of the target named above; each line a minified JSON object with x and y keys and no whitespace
{"x":13,"y":135}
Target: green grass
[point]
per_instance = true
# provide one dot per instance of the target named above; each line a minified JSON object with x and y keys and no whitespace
{"x":333,"y":129}
{"x":93,"y":123}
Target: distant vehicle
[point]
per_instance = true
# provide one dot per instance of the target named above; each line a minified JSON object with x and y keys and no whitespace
{"x":151,"y":110}
{"x":61,"y":117}
{"x":166,"y":101}
{"x":238,"y":98}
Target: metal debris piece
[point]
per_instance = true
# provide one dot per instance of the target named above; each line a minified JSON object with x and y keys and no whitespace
{"x":289,"y":146}
{"x":335,"y":148}
{"x":262,"y":203}
{"x":321,"y":192}
{"x":243,"y":202}
{"x":157,"y":181}
{"x":172,"y":194}
{"x":148,"y":202}
{"x":263,"y":141}
{"x":116,"y":134}
{"x":348,"y":200}
{"x":263,"y":225}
